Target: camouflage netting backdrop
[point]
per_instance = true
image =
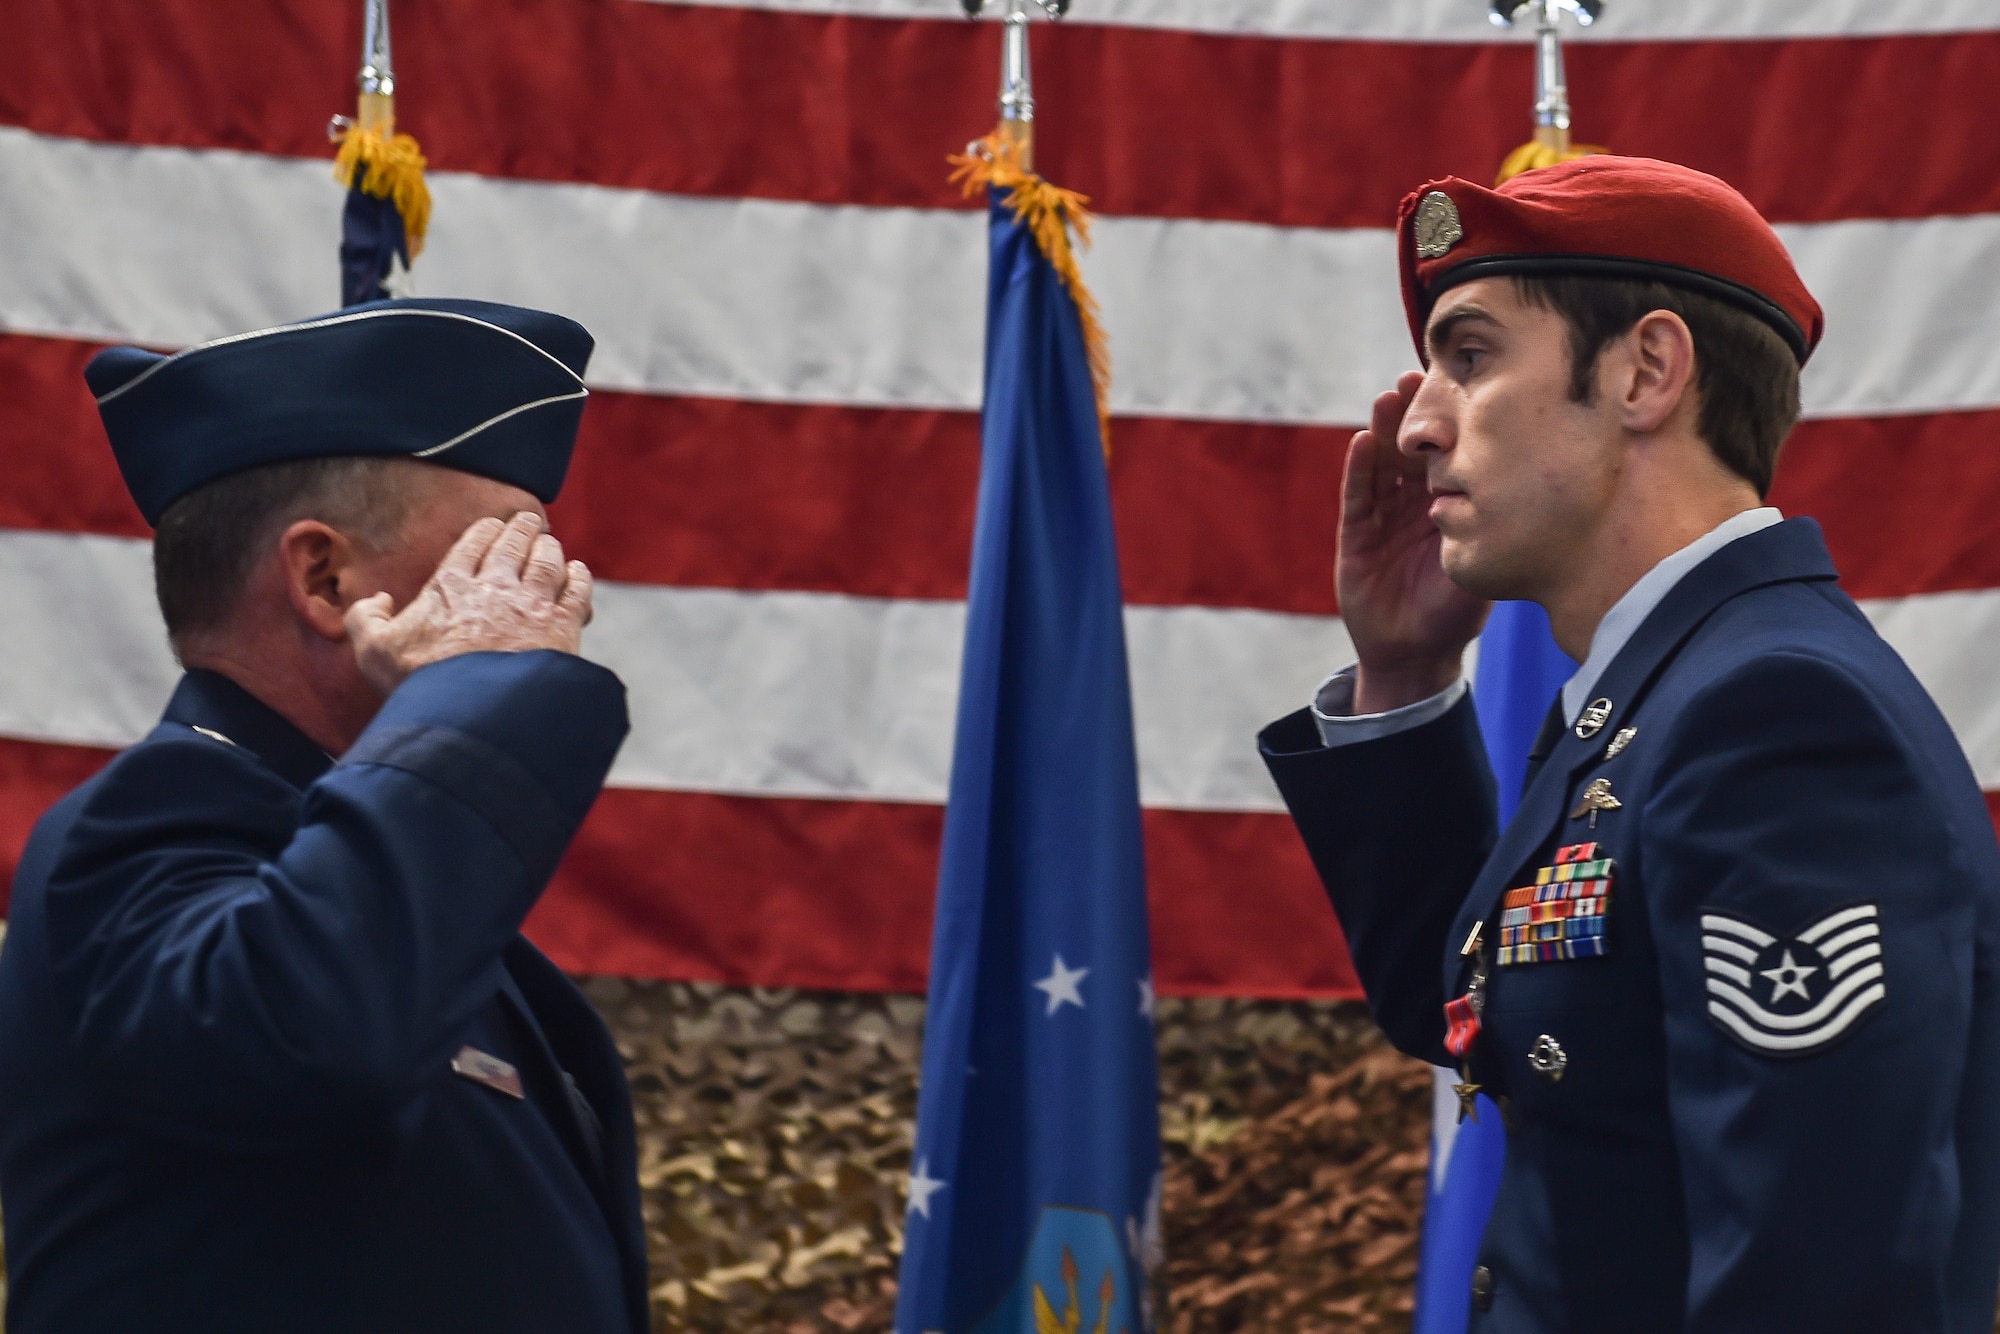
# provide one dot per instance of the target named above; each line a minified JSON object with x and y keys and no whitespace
{"x":775,"y":1129}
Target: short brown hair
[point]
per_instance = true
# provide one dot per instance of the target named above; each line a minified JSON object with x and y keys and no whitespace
{"x":210,"y":540}
{"x":1746,"y":374}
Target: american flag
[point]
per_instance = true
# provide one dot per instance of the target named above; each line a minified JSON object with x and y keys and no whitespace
{"x":747,"y":203}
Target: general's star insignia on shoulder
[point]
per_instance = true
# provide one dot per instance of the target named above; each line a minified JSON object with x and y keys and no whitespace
{"x":1791,"y":996}
{"x":1561,"y":915}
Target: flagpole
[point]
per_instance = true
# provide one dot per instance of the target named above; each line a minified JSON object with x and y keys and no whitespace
{"x":1551,"y":84}
{"x":1551,"y":80}
{"x":1005,"y":161}
{"x":1017,"y":81}
{"x":1017,"y":86}
{"x":1551,"y":143}
{"x":377,"y":80}
{"x":388,"y":207}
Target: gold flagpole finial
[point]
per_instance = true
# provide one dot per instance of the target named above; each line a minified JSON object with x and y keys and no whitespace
{"x":1551,"y":143}
{"x":1017,"y":84}
{"x":1005,"y":161}
{"x":373,"y":157}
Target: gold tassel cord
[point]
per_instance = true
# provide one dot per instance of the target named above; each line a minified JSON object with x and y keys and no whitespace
{"x":1535,"y":153}
{"x":1050,"y":213}
{"x":390,"y":166}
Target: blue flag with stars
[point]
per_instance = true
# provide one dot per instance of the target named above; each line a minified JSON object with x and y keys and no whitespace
{"x":1035,"y":1190}
{"x":1520,"y":670}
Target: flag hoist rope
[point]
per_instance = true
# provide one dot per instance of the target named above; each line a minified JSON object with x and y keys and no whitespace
{"x":373,"y":157}
{"x":1005,"y":160}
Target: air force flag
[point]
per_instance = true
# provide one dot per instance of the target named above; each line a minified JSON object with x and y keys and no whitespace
{"x":1034,"y":1195}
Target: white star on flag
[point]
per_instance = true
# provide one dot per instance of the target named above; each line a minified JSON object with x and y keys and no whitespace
{"x":1788,"y":977}
{"x":922,"y":1186}
{"x":397,"y":282}
{"x":1146,"y":997}
{"x":1061,"y":986}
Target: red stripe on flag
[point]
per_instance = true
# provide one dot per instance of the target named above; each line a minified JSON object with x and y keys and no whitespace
{"x":778,"y":892}
{"x":864,"y":501}
{"x":878,"y":502}
{"x":697,"y":99}
{"x":34,"y":775}
{"x":1227,"y":514}
{"x":719,"y":493}
{"x":1907,"y":502}
{"x":838,"y":894}
{"x":60,"y":475}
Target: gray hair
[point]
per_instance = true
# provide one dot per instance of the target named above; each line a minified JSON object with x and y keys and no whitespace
{"x":210,"y":540}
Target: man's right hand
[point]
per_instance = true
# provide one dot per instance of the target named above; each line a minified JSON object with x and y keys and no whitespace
{"x":503,"y":588}
{"x":1409,"y":622}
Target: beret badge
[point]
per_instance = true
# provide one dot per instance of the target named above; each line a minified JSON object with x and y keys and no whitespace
{"x":1437,"y":225}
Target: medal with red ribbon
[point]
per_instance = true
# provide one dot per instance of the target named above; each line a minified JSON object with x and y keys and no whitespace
{"x":1461,"y":1024}
{"x":1461,"y":1019}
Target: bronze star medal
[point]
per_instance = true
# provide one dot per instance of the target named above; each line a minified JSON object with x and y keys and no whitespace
{"x":1462,"y":1023}
{"x":1468,"y":1095}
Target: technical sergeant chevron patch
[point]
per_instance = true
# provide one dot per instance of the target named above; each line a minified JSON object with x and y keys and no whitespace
{"x":1792,"y":997}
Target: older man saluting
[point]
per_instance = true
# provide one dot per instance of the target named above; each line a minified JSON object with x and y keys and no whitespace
{"x":273,"y":1055}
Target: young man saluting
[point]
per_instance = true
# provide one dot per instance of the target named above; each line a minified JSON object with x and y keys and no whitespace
{"x":1730,"y":970}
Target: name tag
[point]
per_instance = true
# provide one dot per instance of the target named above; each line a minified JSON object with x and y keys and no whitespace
{"x":491,"y":1071}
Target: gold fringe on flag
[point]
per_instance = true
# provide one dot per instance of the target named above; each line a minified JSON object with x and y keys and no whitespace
{"x":1535,"y":153}
{"x":390,"y":167}
{"x":1050,"y":213}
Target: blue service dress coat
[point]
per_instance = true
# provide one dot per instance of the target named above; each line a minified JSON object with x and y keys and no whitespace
{"x":1760,"y":1091}
{"x":236,"y":1002}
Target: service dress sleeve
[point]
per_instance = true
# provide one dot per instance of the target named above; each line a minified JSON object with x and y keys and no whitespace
{"x":247,"y":971}
{"x":1815,"y":937}
{"x":1398,"y":828}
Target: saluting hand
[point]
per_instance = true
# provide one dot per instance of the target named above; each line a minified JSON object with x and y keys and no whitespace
{"x":1409,"y":622}
{"x":504,"y":588}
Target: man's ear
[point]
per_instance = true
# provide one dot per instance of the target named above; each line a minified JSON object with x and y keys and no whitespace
{"x":1660,"y":375}
{"x":318,"y":564}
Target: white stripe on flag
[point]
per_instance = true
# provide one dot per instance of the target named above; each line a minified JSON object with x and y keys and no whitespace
{"x":821,"y":695}
{"x":87,"y":660}
{"x":763,"y":299}
{"x":1948,"y":639}
{"x":1462,"y":20}
{"x":765,"y":694}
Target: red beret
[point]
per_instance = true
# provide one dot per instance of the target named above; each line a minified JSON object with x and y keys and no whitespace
{"x":1604,"y":216}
